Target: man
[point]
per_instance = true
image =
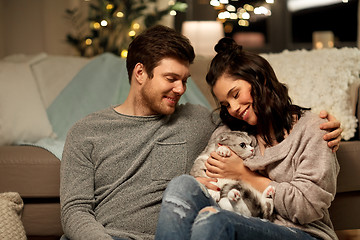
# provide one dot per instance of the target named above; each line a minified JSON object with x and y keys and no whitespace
{"x":117,"y":162}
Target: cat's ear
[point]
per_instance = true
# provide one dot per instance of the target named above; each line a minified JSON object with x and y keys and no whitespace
{"x":223,"y":138}
{"x":253,"y":140}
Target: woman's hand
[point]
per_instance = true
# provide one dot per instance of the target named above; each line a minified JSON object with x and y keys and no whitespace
{"x":225,"y":167}
{"x":333,"y":125}
{"x":207,"y":183}
{"x":233,"y":168}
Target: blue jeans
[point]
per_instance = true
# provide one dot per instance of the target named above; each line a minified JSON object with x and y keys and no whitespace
{"x":181,"y":217}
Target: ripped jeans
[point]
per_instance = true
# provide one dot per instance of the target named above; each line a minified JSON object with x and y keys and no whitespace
{"x":181,"y":217}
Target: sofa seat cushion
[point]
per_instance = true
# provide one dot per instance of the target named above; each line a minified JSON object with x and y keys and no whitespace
{"x":33,"y":172}
{"x":348,"y":157}
{"x":42,"y":219}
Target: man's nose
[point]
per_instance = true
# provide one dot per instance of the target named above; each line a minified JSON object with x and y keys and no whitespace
{"x":179,"y":87}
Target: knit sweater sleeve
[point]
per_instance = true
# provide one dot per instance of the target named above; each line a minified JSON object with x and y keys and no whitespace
{"x":308,"y":195}
{"x":77,"y":188}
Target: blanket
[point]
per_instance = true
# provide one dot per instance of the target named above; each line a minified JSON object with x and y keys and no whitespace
{"x":101,"y":83}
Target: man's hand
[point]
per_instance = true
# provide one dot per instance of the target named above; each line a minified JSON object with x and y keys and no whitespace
{"x":334,"y":137}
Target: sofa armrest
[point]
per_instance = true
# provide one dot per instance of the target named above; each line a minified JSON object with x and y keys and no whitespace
{"x":31,"y":171}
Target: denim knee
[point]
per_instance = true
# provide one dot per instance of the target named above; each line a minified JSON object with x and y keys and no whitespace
{"x":182,"y":184}
{"x":205,"y":216}
{"x":212,"y":223}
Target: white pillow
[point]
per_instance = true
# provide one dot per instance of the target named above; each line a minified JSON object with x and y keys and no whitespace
{"x":23,"y":116}
{"x":321,"y":79}
{"x":53,"y":73}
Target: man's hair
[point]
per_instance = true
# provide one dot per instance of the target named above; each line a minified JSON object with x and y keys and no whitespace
{"x":156,"y":43}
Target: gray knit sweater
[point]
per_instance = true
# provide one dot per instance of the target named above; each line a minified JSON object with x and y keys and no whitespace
{"x":115,"y":168}
{"x":304,"y":171}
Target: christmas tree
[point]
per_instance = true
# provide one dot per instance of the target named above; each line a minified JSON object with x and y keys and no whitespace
{"x":110,"y":25}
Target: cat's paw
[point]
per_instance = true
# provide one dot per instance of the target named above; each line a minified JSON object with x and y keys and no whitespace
{"x":214,"y":194}
{"x":234,"y":195}
{"x":268,"y":202}
{"x":223,"y":151}
{"x":269,"y":192}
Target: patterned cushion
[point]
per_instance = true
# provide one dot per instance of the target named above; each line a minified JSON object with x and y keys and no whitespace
{"x":11,"y":227}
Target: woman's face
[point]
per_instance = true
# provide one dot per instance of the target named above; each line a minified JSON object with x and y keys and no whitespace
{"x":235,"y":95}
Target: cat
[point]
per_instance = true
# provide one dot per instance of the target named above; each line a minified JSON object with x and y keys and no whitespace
{"x":235,"y":195}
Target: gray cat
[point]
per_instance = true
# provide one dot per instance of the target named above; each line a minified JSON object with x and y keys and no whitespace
{"x":235,"y":195}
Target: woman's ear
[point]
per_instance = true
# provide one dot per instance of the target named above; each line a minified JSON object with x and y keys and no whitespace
{"x":139,"y":73}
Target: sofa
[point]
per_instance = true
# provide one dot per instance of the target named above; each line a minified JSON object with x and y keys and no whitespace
{"x":42,"y":95}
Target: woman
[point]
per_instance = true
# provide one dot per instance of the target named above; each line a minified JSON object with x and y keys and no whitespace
{"x":291,"y":156}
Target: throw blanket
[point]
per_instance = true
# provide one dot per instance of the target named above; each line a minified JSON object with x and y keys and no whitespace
{"x":103,"y":82}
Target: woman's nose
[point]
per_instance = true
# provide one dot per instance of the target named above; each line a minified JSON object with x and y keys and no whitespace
{"x":234,"y":108}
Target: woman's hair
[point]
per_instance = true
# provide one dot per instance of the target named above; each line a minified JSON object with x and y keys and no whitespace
{"x":156,"y":43}
{"x":271,"y":102}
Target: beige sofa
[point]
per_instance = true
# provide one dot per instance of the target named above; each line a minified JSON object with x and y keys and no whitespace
{"x":33,"y":171}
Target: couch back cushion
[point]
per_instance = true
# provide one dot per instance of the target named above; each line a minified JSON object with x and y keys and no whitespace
{"x":22,"y":113}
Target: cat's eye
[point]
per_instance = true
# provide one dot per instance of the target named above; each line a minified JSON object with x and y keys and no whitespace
{"x":243,"y":145}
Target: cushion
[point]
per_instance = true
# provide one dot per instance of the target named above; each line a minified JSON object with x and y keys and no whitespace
{"x":322,"y":80}
{"x":53,"y":73}
{"x":23,"y":116}
{"x":11,"y":206}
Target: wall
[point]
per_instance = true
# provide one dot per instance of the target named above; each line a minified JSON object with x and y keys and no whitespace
{"x":37,"y":26}
{"x":1,"y":30}
{"x":33,"y":26}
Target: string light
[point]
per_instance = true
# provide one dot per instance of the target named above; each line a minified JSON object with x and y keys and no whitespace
{"x":228,"y":11}
{"x":124,"y":53}
{"x":243,"y":23}
{"x":262,"y":10}
{"x":224,"y":15}
{"x":120,"y":14}
{"x":109,"y":6}
{"x":215,"y":3}
{"x":104,"y":23}
{"x":248,"y":7}
{"x":96,"y":25}
{"x":136,"y":26}
{"x":233,"y":16}
{"x":132,"y":33}
{"x":230,"y":8}
{"x":88,"y":41}
{"x":245,"y":15}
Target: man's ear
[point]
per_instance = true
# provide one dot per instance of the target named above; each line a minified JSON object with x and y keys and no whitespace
{"x":139,"y":73}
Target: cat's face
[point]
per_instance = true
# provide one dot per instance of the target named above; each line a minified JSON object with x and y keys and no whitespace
{"x":239,"y":142}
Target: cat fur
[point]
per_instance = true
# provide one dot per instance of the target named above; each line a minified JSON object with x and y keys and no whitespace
{"x":235,"y":195}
